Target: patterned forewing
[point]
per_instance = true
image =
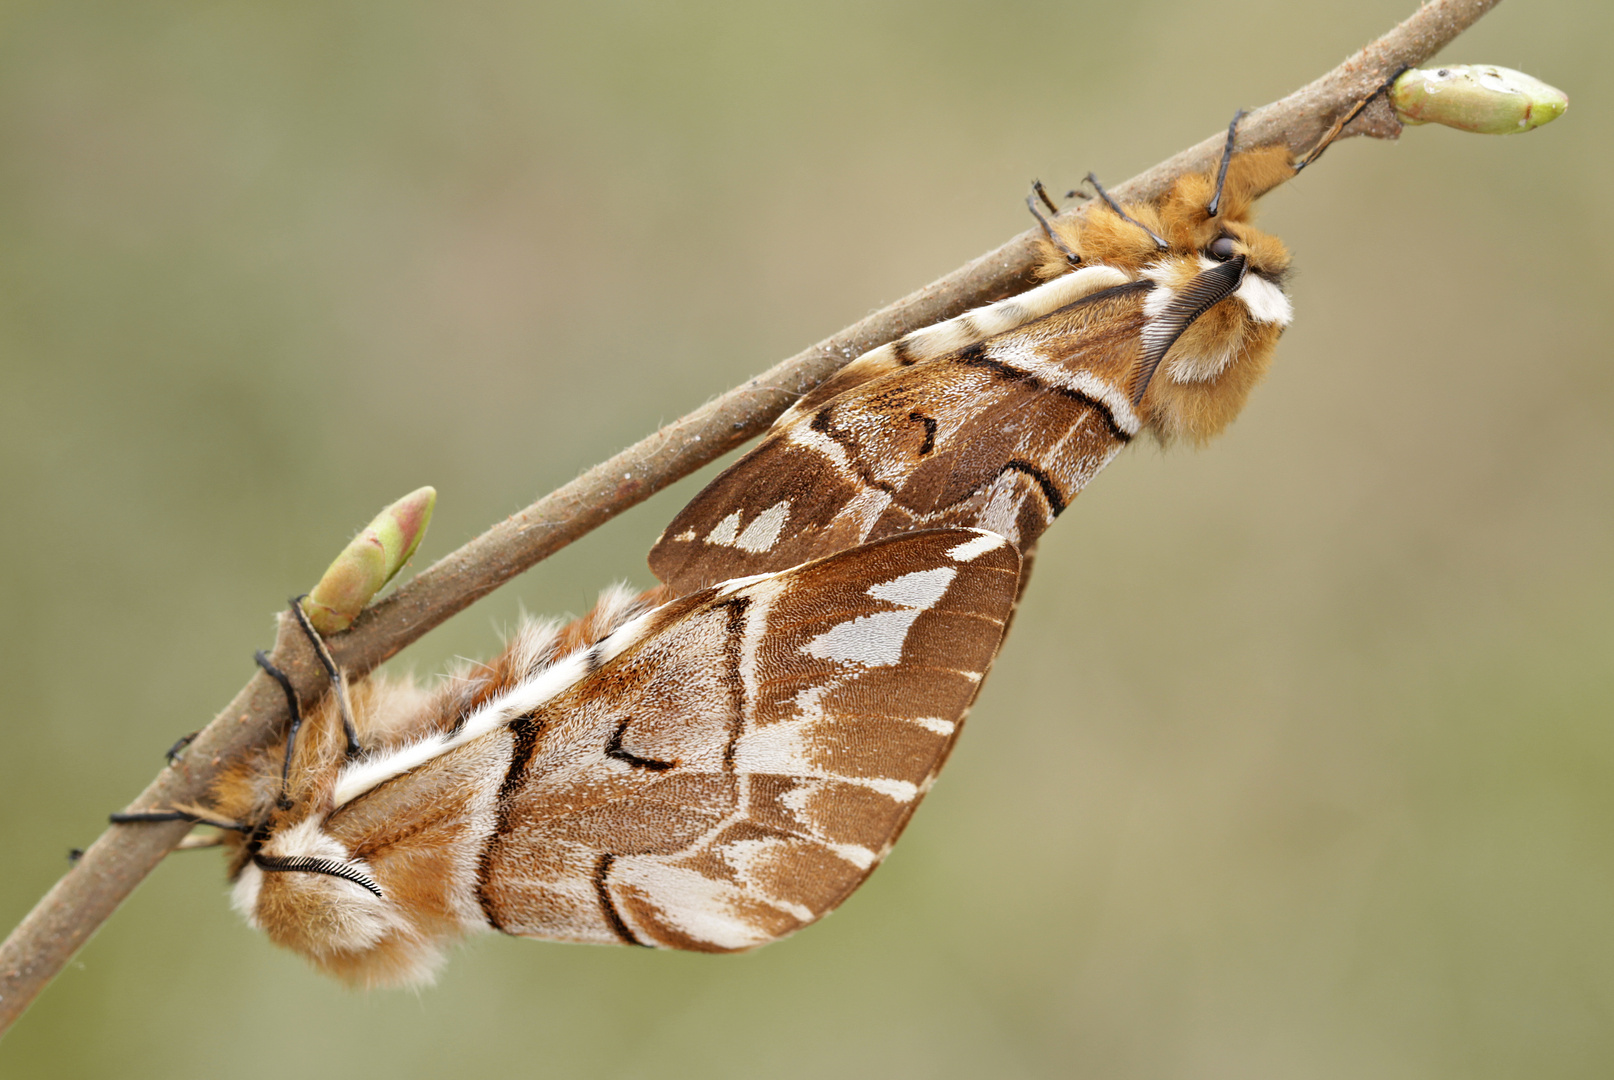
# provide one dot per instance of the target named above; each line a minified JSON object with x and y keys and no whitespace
{"x":734,"y":776}
{"x":999,"y":435}
{"x":630,"y":760}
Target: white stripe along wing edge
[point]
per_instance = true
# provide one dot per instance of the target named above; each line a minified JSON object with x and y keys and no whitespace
{"x":715,"y":774}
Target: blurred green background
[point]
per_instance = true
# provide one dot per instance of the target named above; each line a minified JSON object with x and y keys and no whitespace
{"x":1299,"y":762}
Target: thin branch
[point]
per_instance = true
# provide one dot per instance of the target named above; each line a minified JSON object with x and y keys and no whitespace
{"x":83,"y":899}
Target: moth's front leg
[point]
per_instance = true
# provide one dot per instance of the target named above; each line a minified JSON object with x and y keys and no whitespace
{"x":338,"y":681}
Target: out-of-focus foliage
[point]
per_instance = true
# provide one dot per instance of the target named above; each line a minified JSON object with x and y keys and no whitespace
{"x":1299,"y":761}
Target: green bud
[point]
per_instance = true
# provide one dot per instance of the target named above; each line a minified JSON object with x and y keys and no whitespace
{"x":369,"y":562}
{"x":1482,"y":98}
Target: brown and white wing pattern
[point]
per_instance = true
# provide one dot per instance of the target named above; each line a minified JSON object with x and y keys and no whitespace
{"x":712,"y":775}
{"x":951,"y":335}
{"x":998,"y":435}
{"x":736,"y":773}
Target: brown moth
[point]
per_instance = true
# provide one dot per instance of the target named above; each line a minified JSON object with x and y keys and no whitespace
{"x":1159,"y":317}
{"x":718,"y":771}
{"x":710,"y":774}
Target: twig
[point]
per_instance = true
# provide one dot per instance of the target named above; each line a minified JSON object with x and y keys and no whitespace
{"x":110,"y":869}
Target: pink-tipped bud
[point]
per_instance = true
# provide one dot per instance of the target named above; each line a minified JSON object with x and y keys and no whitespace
{"x":369,"y":561}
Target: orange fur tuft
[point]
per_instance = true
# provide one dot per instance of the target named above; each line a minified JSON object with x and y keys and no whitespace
{"x":1203,"y":381}
{"x":1199,"y":411}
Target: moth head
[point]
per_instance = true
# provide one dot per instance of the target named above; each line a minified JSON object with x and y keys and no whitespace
{"x":1219,"y":223}
{"x":1206,"y":376}
{"x":1219,"y":351}
{"x":300,"y":885}
{"x":312,"y":911}
{"x":308,"y":894}
{"x":324,"y":910}
{"x":267,"y":793}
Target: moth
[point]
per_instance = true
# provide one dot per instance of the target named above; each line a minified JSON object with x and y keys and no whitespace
{"x":711,"y":774}
{"x":1159,"y":317}
{"x":720,"y":761}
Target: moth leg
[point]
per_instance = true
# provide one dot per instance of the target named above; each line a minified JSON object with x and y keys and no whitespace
{"x":187,"y":844}
{"x":1339,"y":125}
{"x":1227,"y":158}
{"x":296,"y":720}
{"x":173,"y":752}
{"x":338,"y":680}
{"x":137,"y":817}
{"x":1042,"y":193}
{"x":1122,"y":214}
{"x":1038,"y":192}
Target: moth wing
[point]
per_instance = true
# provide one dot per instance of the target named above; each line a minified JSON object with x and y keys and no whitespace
{"x":735,"y":773}
{"x":866,"y":368}
{"x":808,"y":489}
{"x":951,"y":335}
{"x":999,"y":435}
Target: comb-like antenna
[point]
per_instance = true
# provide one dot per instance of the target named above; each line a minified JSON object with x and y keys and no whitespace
{"x":1227,"y":157}
{"x":305,"y":864}
{"x":1038,"y":192}
{"x":1122,"y":214}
